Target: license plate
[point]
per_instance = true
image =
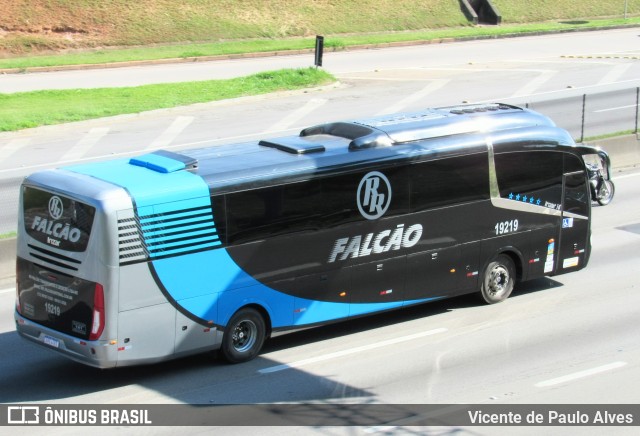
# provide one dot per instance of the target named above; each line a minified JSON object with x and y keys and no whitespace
{"x":52,"y":341}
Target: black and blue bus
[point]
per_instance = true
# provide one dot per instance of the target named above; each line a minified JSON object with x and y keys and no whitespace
{"x":172,"y":253}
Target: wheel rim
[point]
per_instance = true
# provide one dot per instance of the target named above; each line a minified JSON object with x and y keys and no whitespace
{"x":244,"y":336}
{"x":606,"y":192}
{"x":498,"y":281}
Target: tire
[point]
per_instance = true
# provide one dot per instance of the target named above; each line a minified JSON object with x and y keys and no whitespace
{"x":498,"y":280}
{"x":244,"y":336}
{"x":605,"y":195}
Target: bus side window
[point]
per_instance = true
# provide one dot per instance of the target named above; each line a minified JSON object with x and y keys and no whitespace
{"x":260,"y":213}
{"x":449,"y":181}
{"x":219,"y":216}
{"x":531,"y":176}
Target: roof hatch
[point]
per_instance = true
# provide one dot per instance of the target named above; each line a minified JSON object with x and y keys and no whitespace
{"x":163,"y":161}
{"x":293,"y":145}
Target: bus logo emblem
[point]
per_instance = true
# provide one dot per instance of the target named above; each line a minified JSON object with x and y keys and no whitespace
{"x":55,"y":207}
{"x":374,"y":195}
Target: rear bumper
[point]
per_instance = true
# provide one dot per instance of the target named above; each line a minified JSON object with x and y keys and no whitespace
{"x":99,"y":354}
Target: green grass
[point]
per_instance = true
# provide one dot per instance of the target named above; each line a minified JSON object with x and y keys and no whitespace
{"x":521,"y":11}
{"x":608,"y":135}
{"x":8,"y":235}
{"x":335,"y":42}
{"x":31,"y":109}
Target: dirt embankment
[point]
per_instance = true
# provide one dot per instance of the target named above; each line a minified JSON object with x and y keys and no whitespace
{"x":28,"y":26}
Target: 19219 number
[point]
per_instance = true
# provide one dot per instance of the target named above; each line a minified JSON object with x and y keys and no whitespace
{"x":52,"y":309}
{"x":506,"y":227}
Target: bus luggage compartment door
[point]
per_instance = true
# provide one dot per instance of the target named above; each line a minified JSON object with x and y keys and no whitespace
{"x":380,"y":283}
{"x":432,"y":273}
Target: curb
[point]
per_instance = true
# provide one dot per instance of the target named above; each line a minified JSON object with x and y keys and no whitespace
{"x":306,"y":51}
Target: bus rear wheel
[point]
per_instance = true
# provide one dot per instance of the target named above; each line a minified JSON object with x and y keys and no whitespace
{"x":243,"y":336}
{"x":498,"y":279}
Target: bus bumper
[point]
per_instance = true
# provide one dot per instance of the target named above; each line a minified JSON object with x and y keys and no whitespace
{"x":99,"y":354}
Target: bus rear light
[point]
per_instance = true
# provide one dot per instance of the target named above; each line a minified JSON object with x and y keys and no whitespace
{"x":17,"y":292}
{"x":97,"y":326}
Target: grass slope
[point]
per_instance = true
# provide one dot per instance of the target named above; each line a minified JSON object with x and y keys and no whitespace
{"x":519,"y":11}
{"x":38,"y":24}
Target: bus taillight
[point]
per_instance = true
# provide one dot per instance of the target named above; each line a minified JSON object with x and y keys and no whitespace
{"x":97,"y":326}
{"x":17,"y":292}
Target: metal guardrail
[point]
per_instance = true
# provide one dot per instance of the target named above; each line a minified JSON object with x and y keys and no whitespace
{"x":583,"y":116}
{"x":592,"y":115}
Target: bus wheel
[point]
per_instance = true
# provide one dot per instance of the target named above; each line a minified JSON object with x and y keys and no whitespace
{"x":244,"y":336}
{"x":498,"y":279}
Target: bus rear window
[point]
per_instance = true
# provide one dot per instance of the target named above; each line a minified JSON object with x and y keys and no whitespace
{"x":56,"y":220}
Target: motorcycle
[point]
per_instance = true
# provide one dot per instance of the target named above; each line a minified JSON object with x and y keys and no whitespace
{"x":602,"y":187}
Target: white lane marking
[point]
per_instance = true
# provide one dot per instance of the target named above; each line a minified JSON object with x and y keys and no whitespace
{"x":416,"y":96}
{"x":165,"y":138}
{"x":337,"y":354}
{"x":614,"y":74}
{"x":6,"y":291}
{"x":12,"y":146}
{"x":297,"y":115}
{"x":534,"y":84}
{"x":388,"y":79}
{"x":615,"y":108}
{"x":580,"y":374}
{"x":83,"y":146}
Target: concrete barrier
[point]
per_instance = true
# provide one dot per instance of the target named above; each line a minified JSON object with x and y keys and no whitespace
{"x":7,"y":261}
{"x":623,"y":150}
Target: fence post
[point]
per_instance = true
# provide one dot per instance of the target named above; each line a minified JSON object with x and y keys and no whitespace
{"x":584,"y":104}
{"x":637,"y":108}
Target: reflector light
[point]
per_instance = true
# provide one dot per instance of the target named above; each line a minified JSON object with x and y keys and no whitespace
{"x":97,"y":326}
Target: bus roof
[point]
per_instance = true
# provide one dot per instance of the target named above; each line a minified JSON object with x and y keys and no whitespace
{"x":344,"y":146}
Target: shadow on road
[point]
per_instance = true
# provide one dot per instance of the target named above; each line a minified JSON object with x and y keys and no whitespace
{"x":34,"y":374}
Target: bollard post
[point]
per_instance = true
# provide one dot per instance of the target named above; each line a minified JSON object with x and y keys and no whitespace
{"x":637,"y":109}
{"x":584,"y":104}
{"x":319,"y":50}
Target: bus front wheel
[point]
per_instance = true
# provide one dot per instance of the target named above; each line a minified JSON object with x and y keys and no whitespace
{"x":243,"y":336}
{"x":498,"y":279}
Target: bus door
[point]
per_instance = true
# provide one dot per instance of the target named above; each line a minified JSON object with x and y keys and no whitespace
{"x":573,"y":253}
